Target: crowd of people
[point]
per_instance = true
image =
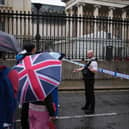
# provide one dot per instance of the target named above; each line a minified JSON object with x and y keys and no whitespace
{"x":40,"y":114}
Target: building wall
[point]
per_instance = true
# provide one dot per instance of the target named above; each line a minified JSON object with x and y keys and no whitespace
{"x":116,"y":66}
{"x":19,"y":5}
{"x":92,"y":8}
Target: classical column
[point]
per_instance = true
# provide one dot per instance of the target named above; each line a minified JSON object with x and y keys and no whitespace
{"x":96,"y":14}
{"x":124,"y":28}
{"x":80,"y":19}
{"x":110,"y":15}
{"x":69,"y":14}
{"x":124,"y":13}
{"x":67,"y":23}
{"x":96,"y":10}
{"x":71,"y":22}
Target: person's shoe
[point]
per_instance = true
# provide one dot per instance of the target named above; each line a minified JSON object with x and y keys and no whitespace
{"x":89,"y":111}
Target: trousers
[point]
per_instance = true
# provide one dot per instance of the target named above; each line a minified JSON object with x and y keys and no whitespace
{"x":38,"y":117}
{"x":89,"y":94}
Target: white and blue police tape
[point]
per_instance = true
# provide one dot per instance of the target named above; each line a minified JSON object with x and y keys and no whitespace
{"x":112,"y":73}
{"x":77,"y":63}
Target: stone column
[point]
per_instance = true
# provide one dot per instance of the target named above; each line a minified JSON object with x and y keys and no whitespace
{"x":96,"y":14}
{"x":67,"y":23}
{"x":124,"y":14}
{"x":96,"y":10}
{"x":69,"y":14}
{"x":110,"y":15}
{"x":80,"y":19}
{"x":124,"y":28}
{"x":71,"y":22}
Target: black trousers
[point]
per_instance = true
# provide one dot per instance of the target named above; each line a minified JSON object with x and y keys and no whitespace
{"x":89,"y":94}
{"x":24,"y":116}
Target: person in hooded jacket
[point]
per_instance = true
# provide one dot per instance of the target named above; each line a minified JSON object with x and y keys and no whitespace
{"x":28,"y":49}
{"x":36,"y":115}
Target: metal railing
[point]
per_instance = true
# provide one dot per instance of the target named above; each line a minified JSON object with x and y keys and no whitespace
{"x":71,"y":35}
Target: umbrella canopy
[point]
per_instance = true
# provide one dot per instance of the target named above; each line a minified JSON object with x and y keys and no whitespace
{"x":57,"y":55}
{"x":8,"y":43}
{"x":39,"y":75}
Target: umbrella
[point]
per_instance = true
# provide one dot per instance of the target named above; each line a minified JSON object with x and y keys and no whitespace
{"x":57,"y":55}
{"x":8,"y":43}
{"x":39,"y":75}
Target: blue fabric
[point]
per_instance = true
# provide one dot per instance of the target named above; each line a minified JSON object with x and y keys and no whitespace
{"x":7,"y":98}
{"x":55,"y":99}
{"x":19,"y":57}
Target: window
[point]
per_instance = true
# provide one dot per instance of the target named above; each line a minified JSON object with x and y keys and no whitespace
{"x":1,"y":1}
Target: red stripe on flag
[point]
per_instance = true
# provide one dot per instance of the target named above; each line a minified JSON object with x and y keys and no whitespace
{"x":46,"y":63}
{"x":33,"y":79}
{"x":49,"y":81}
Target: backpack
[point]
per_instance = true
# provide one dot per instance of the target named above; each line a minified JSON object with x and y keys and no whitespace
{"x":7,"y":98}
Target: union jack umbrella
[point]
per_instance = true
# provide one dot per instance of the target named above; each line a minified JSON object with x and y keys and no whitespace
{"x":39,"y":75}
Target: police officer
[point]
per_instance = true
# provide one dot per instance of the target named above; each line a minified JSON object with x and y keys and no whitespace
{"x":89,"y":79}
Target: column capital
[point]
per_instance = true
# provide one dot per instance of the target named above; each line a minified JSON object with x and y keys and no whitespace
{"x":67,"y":12}
{"x":110,"y":13}
{"x":111,"y":8}
{"x":96,"y":10}
{"x":80,"y":4}
{"x":97,"y":6}
{"x":71,"y":11}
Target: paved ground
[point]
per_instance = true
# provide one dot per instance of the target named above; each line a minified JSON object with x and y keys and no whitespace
{"x":112,"y":105}
{"x":99,"y":84}
{"x":112,"y":111}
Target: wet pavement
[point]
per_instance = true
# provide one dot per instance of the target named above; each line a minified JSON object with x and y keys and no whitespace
{"x":112,"y":111}
{"x":112,"y":106}
{"x":108,"y":84}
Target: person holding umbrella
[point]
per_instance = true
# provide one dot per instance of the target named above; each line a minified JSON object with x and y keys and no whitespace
{"x":28,"y":49}
{"x":35,"y":113}
{"x":55,"y":95}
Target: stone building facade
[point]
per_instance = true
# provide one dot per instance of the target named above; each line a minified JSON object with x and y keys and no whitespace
{"x":114,"y":9}
{"x":13,"y":6}
{"x":19,"y":5}
{"x":111,"y":8}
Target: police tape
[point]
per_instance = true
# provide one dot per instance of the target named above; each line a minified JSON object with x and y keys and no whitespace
{"x":101,"y":70}
{"x":115,"y":74}
{"x":74,"y":62}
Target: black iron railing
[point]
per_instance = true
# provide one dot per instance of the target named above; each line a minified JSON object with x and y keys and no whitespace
{"x":71,"y":35}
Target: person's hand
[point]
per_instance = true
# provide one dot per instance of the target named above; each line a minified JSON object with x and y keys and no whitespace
{"x":75,"y":70}
{"x":78,"y":70}
{"x":52,"y":117}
